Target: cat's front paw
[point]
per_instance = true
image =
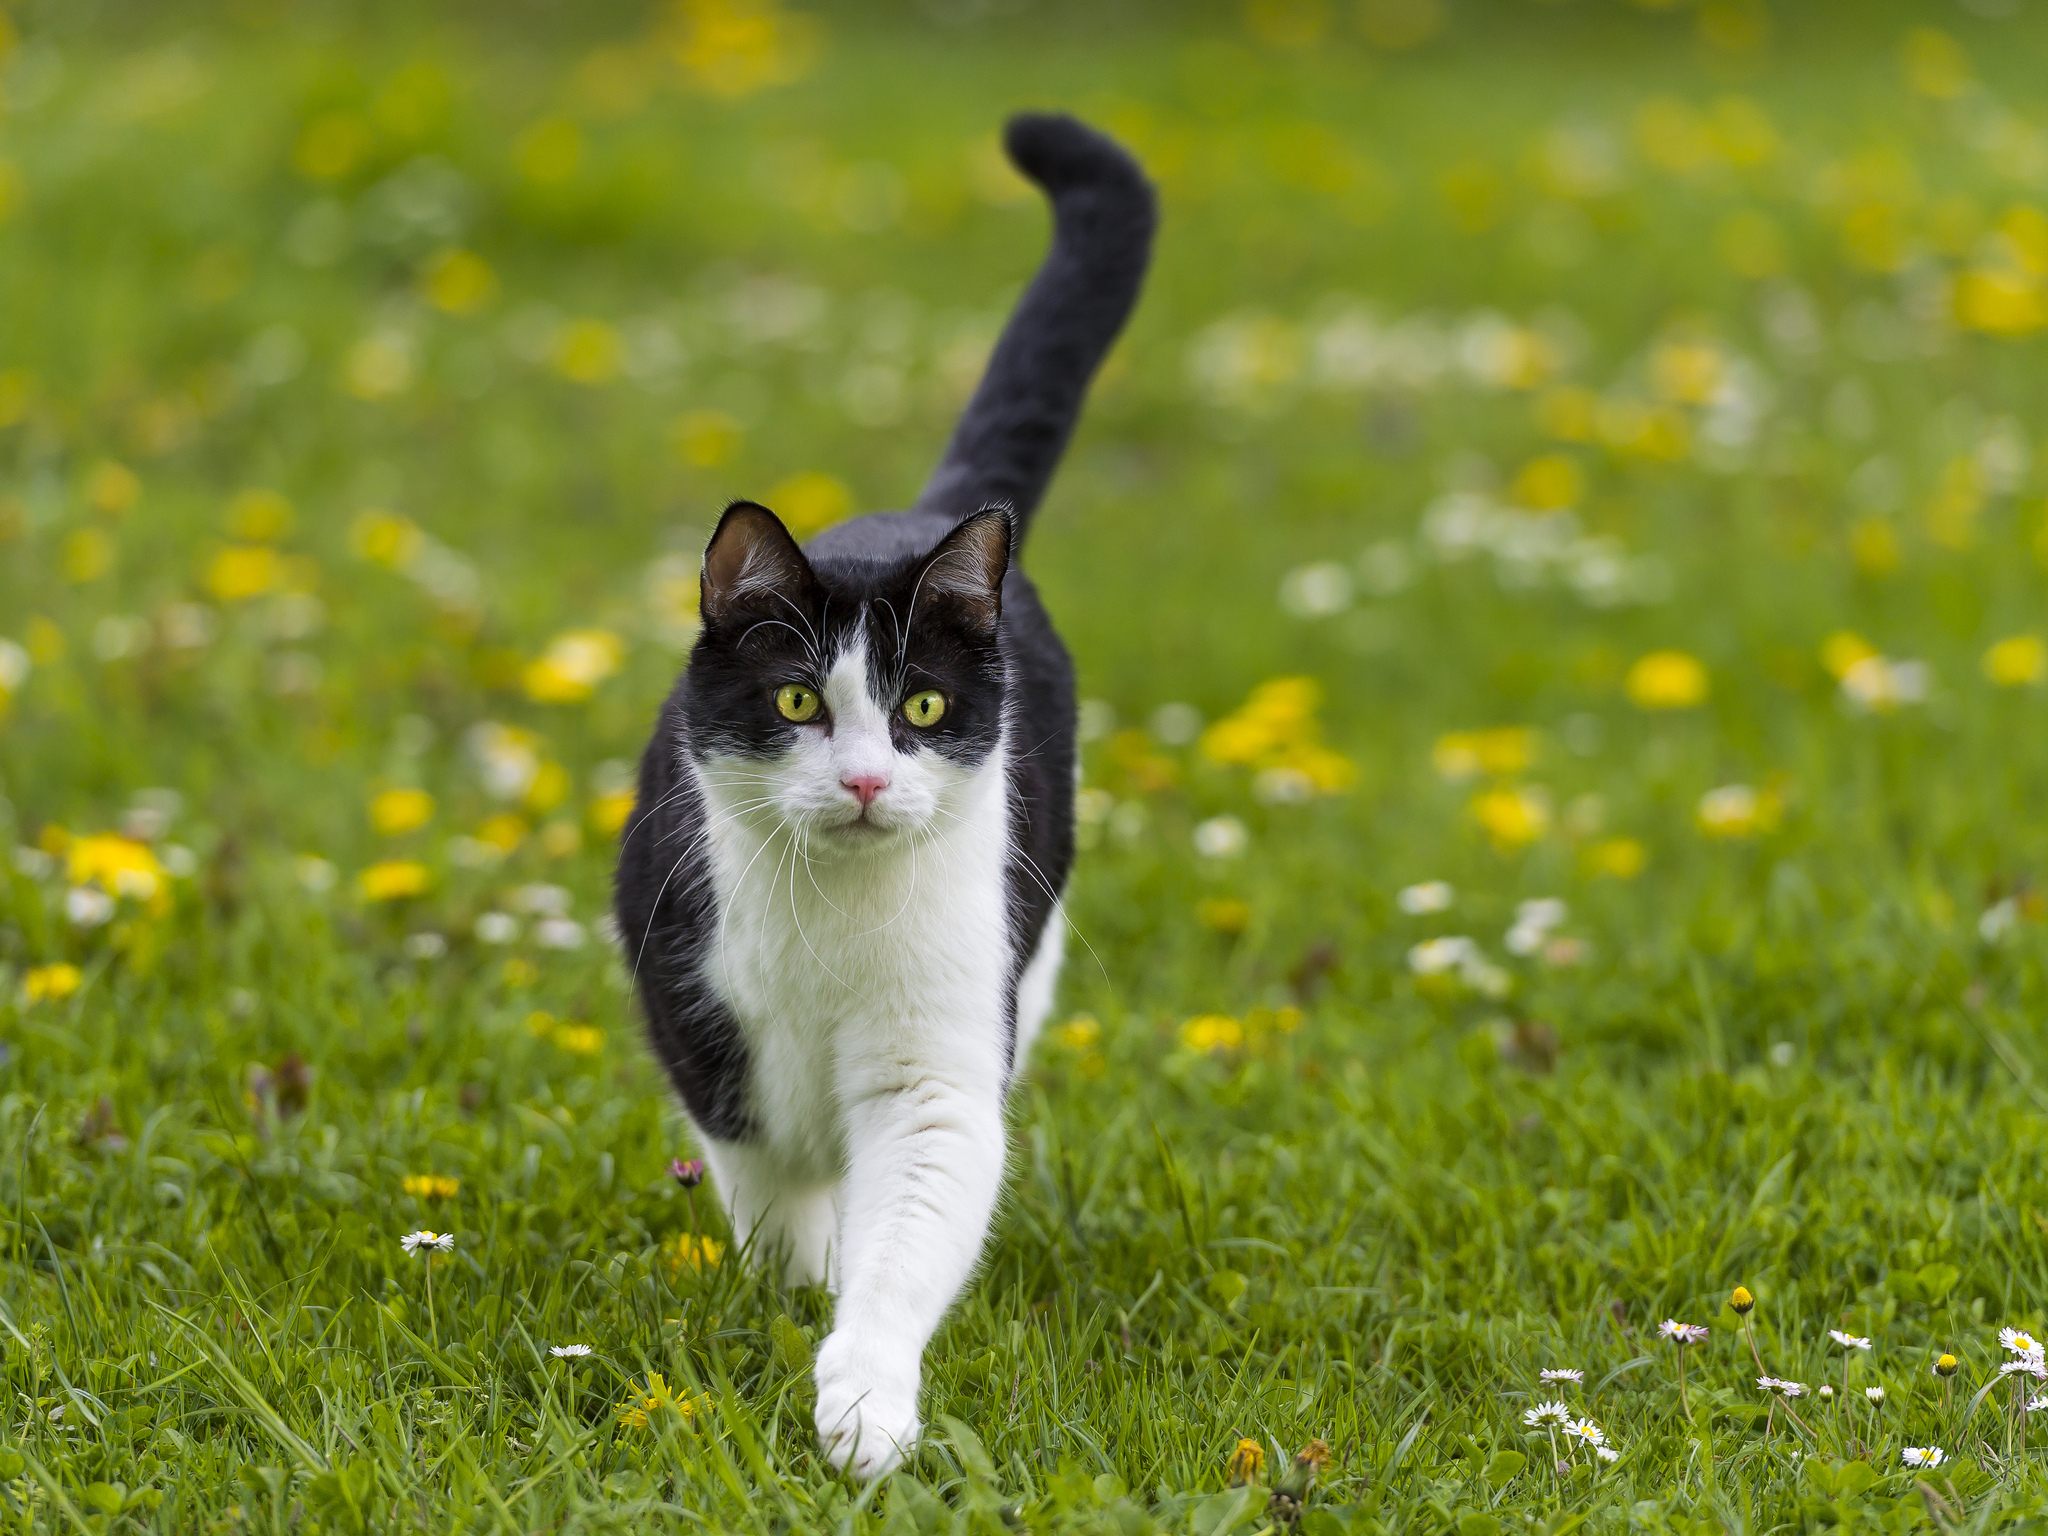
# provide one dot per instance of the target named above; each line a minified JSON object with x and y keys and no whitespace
{"x":867,"y":1406}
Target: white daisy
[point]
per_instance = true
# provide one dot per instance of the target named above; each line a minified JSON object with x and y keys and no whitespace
{"x":1547,"y":1414}
{"x":1826,"y":1390}
{"x":1875,"y":1394}
{"x":1791,"y":1389}
{"x":2019,"y":1341}
{"x":1681,"y":1333}
{"x":413,"y":1242}
{"x":2036,"y":1404}
{"x":1923,"y":1455}
{"x":2026,"y":1365}
{"x":1606,"y":1453}
{"x":1575,"y":1377}
{"x":1848,"y":1340}
{"x":569,"y":1351}
{"x":1586,"y":1430}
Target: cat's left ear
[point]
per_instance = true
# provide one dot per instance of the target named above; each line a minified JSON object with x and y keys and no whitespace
{"x":965,"y":572}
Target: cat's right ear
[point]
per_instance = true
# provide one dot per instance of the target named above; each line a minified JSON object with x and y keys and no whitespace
{"x":750,"y":558}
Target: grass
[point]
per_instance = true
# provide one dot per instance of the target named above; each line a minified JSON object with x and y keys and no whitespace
{"x":1760,"y":304}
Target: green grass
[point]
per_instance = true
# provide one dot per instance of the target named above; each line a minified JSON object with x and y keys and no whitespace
{"x":1792,"y":1060}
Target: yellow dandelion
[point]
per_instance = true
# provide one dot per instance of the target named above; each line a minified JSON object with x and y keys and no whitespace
{"x":1500,"y":751}
{"x":579,"y":1039}
{"x":1247,"y":1463}
{"x":431,"y":1186}
{"x":1620,"y":858}
{"x":243,"y":571}
{"x":1212,"y":1032}
{"x":811,"y":502}
{"x":589,"y":352}
{"x":51,"y":983}
{"x":1080,"y":1033}
{"x":646,"y":1403}
{"x":572,"y":666}
{"x":1842,"y":650}
{"x":394,"y":880}
{"x":1227,"y":915}
{"x":120,"y":866}
{"x":608,"y":813}
{"x":401,"y":810}
{"x":459,"y":282}
{"x":1513,"y":815}
{"x":1667,"y":680}
{"x":2017,"y":661}
{"x":690,"y":1251}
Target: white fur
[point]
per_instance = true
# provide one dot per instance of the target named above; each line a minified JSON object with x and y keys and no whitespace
{"x":865,"y":958}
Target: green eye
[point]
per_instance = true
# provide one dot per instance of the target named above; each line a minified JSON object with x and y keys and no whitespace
{"x":927,"y":708}
{"x":796,"y":702}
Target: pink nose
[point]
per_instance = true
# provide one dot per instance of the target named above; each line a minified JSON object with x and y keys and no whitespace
{"x":865,"y":787}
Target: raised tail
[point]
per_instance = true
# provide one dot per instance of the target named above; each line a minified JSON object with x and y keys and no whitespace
{"x":1010,"y":438}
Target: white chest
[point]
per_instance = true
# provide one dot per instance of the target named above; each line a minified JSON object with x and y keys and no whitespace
{"x":847,"y":968}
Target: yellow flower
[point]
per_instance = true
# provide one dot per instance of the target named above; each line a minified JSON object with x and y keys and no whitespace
{"x":1667,"y":680}
{"x":689,"y":1251}
{"x":580,"y":1039}
{"x":243,"y":571}
{"x":401,"y":810}
{"x":1548,"y":483}
{"x":393,"y":880}
{"x":1736,"y":810}
{"x":1512,"y":815}
{"x":431,"y":1186}
{"x":1842,"y":650}
{"x":811,"y":502}
{"x":51,"y":983}
{"x":608,"y":813}
{"x":588,"y":352}
{"x":1501,"y":751}
{"x":504,"y":832}
{"x":88,"y":552}
{"x":2000,"y":302}
{"x":1247,"y":1463}
{"x":331,"y":146}
{"x":1622,"y":858}
{"x":2019,"y":660}
{"x":1080,"y":1033}
{"x":119,"y":866}
{"x":706,"y":438}
{"x":459,"y":282}
{"x":112,"y":488}
{"x":1935,"y":63}
{"x":259,"y":516}
{"x":654,"y":1399}
{"x":1740,"y":1299}
{"x":572,"y":666}
{"x":733,"y":48}
{"x":1226,"y":915}
{"x":385,"y":538}
{"x":1212,"y":1032}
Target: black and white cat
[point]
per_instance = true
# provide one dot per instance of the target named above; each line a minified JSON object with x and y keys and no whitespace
{"x":840,"y":888}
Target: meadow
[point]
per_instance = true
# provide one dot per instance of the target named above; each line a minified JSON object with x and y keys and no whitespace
{"x":1556,"y":570}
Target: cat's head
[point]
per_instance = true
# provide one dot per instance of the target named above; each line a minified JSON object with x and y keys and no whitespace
{"x":854,"y":702}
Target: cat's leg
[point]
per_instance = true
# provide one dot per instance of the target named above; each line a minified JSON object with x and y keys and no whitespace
{"x":1035,"y":988}
{"x":791,"y":1222}
{"x":926,"y":1145}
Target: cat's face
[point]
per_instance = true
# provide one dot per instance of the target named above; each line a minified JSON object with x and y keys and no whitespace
{"x":856,"y":708}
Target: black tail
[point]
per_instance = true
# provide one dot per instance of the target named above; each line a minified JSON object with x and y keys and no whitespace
{"x":1010,"y":438}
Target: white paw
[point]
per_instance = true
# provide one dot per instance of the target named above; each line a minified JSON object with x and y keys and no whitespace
{"x":867,"y":1405}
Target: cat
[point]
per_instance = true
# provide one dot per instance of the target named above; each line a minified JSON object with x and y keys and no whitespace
{"x":840,"y":888}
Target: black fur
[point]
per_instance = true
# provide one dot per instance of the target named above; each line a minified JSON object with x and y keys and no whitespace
{"x":771,"y":612}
